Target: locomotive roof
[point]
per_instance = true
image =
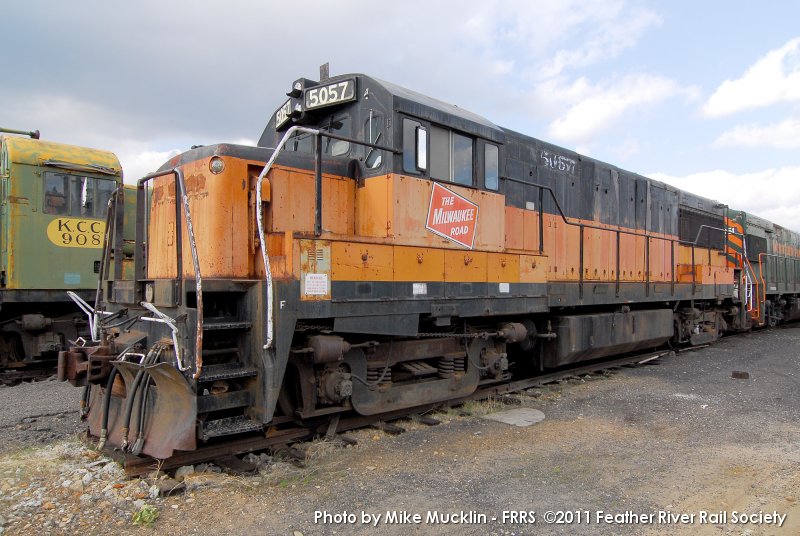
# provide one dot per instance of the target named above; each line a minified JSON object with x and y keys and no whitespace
{"x":425,"y":107}
{"x":698,"y":202}
{"x":37,"y":152}
{"x":757,"y":221}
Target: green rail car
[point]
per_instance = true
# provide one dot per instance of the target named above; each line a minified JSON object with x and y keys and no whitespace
{"x":53,"y":204}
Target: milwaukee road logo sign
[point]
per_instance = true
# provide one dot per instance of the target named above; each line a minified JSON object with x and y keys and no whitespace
{"x":452,"y":216}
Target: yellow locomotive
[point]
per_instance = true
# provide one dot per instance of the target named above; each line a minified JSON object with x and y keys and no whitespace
{"x":53,"y":201}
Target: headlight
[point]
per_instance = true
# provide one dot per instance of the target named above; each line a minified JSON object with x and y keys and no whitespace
{"x":216,"y":165}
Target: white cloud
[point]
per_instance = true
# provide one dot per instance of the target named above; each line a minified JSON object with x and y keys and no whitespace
{"x":138,"y":163}
{"x":552,"y":41}
{"x":773,"y":194}
{"x":627,"y":148}
{"x":594,"y":107}
{"x":63,"y":117}
{"x":783,"y":135}
{"x":137,"y":160}
{"x":501,"y":67}
{"x":608,"y":29}
{"x":556,"y":35}
{"x":772,"y":79}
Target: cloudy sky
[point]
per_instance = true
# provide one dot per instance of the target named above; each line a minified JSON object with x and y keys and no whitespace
{"x":703,"y":95}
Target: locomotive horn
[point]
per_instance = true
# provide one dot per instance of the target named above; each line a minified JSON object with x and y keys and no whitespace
{"x":33,"y":134}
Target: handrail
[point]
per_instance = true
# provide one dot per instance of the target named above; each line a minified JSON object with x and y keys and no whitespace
{"x":170,"y":323}
{"x":761,"y":277}
{"x":92,"y":312}
{"x":646,"y":235}
{"x":105,"y":260}
{"x":187,"y":214}
{"x":317,"y":133}
{"x":260,"y":222}
{"x":761,"y":274}
{"x":748,"y":296}
{"x":89,"y":311}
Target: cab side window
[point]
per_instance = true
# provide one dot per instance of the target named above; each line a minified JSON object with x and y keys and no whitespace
{"x":77,"y":196}
{"x":491,"y":168}
{"x":451,"y":156}
{"x":462,"y":160}
{"x":415,"y":147}
{"x":55,"y":193}
{"x":103,"y":190}
{"x":440,"y":153}
{"x":373,"y":133}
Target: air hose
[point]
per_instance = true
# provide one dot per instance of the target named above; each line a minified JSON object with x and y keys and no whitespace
{"x":106,"y":403}
{"x":85,"y":401}
{"x":136,"y":449}
{"x":149,"y":359}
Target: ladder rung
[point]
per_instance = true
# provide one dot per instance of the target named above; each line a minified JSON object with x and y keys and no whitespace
{"x":220,"y":351}
{"x":214,"y":326}
{"x":227,"y":426}
{"x":226,"y":371}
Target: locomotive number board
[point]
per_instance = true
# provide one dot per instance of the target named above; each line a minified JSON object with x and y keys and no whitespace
{"x":283,"y":114}
{"x":330,"y":94}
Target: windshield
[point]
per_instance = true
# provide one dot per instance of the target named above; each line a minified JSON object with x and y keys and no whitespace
{"x":302,"y":142}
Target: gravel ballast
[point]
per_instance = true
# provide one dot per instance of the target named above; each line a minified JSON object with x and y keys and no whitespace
{"x":679,"y":437}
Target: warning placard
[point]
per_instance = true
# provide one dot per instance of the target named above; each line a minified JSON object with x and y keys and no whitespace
{"x":316,"y":285}
{"x":452,"y":216}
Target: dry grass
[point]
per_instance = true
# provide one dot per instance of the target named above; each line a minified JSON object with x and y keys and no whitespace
{"x":479,"y":408}
{"x":320,"y":460}
{"x":45,"y":459}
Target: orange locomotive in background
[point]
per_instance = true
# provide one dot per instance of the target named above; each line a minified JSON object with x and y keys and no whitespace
{"x":381,"y":250}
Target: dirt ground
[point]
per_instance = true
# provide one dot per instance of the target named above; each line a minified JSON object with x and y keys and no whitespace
{"x":678,"y":447}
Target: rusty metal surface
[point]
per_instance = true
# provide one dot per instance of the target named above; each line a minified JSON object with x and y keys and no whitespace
{"x":315,"y":270}
{"x":171,"y":420}
{"x":81,"y":366}
{"x":170,"y":415}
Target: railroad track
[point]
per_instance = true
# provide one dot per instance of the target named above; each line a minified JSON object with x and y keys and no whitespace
{"x":10,"y":377}
{"x":280,"y":438}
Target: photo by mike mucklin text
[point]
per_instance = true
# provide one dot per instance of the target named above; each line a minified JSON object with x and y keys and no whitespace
{"x":549,"y":517}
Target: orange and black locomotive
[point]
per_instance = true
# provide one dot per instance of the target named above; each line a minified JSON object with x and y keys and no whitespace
{"x":380,"y":250}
